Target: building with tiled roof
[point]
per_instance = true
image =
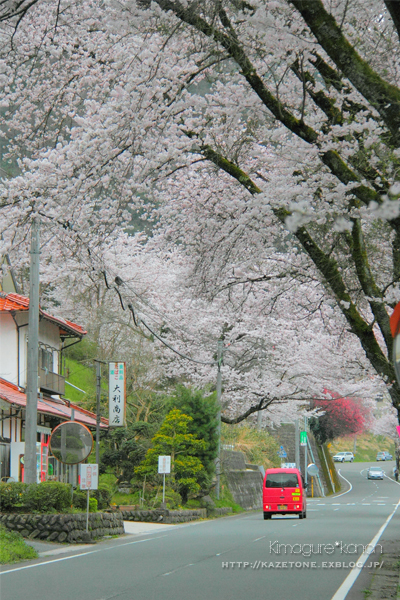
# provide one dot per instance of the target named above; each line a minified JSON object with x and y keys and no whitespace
{"x":55,"y":334}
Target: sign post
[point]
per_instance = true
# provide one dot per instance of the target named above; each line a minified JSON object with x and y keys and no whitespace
{"x":89,"y":481}
{"x":164,"y":466}
{"x":303,"y":442}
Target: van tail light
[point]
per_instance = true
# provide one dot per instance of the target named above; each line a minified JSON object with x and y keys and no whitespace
{"x":297,"y":506}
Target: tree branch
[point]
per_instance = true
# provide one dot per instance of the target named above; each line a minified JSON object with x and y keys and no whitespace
{"x":383,"y":96}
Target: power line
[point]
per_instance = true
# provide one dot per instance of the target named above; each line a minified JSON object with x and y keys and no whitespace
{"x":67,"y":226}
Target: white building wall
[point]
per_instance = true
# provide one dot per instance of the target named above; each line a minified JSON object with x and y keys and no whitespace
{"x":8,"y":349}
{"x":49,"y":334}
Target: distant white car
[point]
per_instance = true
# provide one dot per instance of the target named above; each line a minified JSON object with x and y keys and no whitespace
{"x":344,"y":457}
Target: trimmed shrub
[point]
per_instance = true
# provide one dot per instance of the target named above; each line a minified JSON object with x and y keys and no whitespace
{"x":103,"y":496}
{"x":12,"y":495}
{"x":47,"y":496}
{"x":92,"y":505}
{"x":79,"y":499}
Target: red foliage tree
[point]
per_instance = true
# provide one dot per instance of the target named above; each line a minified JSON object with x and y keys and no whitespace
{"x":342,"y":416}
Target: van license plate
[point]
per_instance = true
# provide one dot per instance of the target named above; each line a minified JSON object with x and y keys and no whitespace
{"x":282,"y":507}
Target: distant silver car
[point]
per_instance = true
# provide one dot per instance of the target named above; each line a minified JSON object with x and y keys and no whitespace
{"x":388,"y":456}
{"x":375,"y":473}
{"x":381,"y":456}
{"x":344,"y":457}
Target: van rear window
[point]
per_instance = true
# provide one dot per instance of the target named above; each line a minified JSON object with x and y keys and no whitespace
{"x":281,"y":480}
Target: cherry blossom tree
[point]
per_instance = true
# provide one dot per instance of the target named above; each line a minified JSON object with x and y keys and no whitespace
{"x":261,"y":137}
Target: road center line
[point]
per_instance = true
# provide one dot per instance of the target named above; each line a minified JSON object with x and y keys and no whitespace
{"x":347,"y":584}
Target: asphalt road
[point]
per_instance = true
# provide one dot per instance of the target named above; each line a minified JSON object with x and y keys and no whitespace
{"x":287,"y":558}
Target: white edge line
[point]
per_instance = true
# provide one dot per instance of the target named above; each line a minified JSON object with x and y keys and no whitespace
{"x":347,"y":584}
{"x":351,"y":487}
{"x":47,"y":562}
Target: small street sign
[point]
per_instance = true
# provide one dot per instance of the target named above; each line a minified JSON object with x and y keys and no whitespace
{"x":164,"y":464}
{"x":303,"y":438}
{"x":89,"y":477}
{"x":288,"y":465}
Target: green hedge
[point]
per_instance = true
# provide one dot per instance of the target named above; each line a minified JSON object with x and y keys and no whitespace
{"x":49,"y":496}
{"x":11,"y":495}
{"x":102,"y":497}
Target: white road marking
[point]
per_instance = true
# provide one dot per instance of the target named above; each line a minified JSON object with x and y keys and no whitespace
{"x":178,"y":569}
{"x":366,"y":505}
{"x":336,"y":509}
{"x":48,"y":562}
{"x":347,"y":584}
{"x":347,"y":481}
{"x":261,"y":538}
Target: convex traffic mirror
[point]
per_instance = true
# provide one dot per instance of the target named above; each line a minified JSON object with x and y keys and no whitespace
{"x":71,"y":443}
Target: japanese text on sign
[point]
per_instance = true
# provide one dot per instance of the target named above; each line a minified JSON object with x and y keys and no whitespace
{"x":116,"y":387}
{"x":164,"y":464}
{"x":89,"y":477}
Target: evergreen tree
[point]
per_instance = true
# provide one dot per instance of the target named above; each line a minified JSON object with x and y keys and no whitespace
{"x":204,"y":424}
{"x":173,"y":439}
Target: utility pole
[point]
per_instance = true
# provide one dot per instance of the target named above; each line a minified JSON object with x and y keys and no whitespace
{"x":259,"y":420}
{"x":305,"y":450}
{"x":98,"y":391}
{"x":219,"y":392}
{"x":297,"y":444}
{"x":33,"y":358}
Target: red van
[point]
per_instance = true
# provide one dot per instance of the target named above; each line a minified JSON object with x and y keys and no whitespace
{"x":284,"y":493}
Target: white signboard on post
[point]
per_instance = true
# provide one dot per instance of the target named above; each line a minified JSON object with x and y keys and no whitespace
{"x":116,"y":394}
{"x":164,"y":464}
{"x":89,"y":477}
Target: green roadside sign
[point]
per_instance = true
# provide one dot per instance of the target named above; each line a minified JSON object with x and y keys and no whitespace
{"x":303,"y":438}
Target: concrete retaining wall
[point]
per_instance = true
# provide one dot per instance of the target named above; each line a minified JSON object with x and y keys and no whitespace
{"x":64,"y":528}
{"x":244,"y":480}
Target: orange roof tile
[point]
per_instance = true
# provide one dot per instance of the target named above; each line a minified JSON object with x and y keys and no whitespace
{"x":12,"y":394}
{"x":15,"y":302}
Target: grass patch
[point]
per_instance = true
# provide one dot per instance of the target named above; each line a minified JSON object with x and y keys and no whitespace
{"x":367,"y":446}
{"x":13,"y":547}
{"x":259,"y":447}
{"x":226,"y":498}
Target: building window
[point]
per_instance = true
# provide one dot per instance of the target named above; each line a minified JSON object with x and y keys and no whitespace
{"x":46,"y":359}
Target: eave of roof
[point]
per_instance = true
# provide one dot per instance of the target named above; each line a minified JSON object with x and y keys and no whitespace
{"x":15,"y":302}
{"x":13,"y":395}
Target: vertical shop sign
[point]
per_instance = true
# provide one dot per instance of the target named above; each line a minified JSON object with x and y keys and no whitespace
{"x":117,"y":394}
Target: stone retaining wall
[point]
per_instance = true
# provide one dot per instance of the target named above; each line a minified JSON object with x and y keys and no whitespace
{"x":216,"y":512}
{"x":159,"y":515}
{"x":64,"y":527}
